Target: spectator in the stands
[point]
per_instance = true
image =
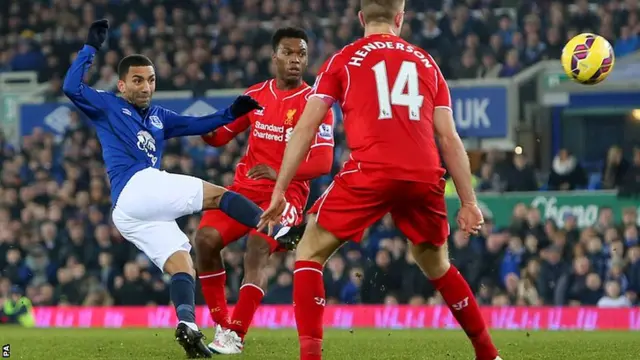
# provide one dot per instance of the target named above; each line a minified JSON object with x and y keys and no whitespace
{"x":521,"y":176}
{"x":631,"y":183}
{"x":512,"y":64}
{"x":613,"y":298}
{"x":566,"y":172}
{"x":615,"y":168}
{"x":551,"y":270}
{"x":554,"y":44}
{"x":627,"y":42}
{"x":468,"y":66}
{"x":490,"y":67}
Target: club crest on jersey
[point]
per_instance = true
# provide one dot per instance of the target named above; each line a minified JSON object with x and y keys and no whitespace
{"x":155,"y":121}
{"x":147,"y":143}
{"x":289,"y":119}
{"x":325,"y":131}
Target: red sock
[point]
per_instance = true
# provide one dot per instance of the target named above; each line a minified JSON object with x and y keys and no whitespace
{"x":308,"y":305}
{"x":213,"y":290}
{"x":456,"y":293}
{"x":249,"y":299}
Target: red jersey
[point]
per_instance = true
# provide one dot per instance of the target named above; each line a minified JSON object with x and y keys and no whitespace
{"x":388,"y":90}
{"x":271,"y":129}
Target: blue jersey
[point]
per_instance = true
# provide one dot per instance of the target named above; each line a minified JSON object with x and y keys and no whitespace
{"x":131,"y":139}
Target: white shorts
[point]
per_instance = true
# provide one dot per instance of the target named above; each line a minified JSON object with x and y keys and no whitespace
{"x":148,"y":206}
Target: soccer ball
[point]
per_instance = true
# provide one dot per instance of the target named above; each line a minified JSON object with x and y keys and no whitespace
{"x":588,"y":58}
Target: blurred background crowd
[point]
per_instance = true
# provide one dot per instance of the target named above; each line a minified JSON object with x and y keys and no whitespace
{"x":211,"y":44}
{"x":57,"y":244}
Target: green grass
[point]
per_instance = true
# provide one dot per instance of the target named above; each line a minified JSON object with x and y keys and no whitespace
{"x":54,"y":344}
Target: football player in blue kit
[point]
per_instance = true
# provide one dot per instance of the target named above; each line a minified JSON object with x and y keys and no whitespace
{"x":146,"y":200}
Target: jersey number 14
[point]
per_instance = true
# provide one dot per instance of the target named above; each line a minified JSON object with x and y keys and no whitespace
{"x":407,"y":79}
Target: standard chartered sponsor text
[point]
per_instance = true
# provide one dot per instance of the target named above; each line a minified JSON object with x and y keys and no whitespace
{"x":268,"y":131}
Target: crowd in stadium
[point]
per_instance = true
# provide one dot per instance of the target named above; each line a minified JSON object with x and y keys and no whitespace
{"x":199,"y":45}
{"x":57,"y":244}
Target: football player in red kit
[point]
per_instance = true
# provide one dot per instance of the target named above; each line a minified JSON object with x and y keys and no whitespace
{"x":395,"y":104}
{"x":283,"y":100}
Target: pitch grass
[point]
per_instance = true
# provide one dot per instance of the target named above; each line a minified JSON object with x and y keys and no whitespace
{"x":63,"y":344}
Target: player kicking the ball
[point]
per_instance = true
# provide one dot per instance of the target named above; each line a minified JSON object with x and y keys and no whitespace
{"x":395,"y":103}
{"x":283,"y":99}
{"x":146,"y":201}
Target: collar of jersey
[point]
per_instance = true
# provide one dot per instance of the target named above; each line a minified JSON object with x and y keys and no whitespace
{"x":284,"y":93}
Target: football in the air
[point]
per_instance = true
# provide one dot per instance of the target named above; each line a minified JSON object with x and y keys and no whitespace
{"x":588,"y":58}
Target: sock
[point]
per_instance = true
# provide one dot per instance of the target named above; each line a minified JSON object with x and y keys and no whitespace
{"x":249,"y":299}
{"x":213,"y":291}
{"x":456,"y":293}
{"x":243,"y":210}
{"x":308,"y":305}
{"x":182,"y":294}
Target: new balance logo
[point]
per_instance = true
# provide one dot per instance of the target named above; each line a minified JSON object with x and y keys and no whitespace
{"x":461,"y":305}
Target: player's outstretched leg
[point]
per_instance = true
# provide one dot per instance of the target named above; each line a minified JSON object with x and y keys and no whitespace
{"x":309,"y":299}
{"x":245,"y":211}
{"x":182,"y":293}
{"x":434,"y":262}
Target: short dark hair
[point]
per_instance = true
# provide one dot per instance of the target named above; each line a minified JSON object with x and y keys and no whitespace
{"x":132,"y":61}
{"x":288,"y":32}
{"x":380,"y":11}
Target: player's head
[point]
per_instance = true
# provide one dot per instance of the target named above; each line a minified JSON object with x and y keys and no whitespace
{"x":137,"y":81}
{"x":382,"y":12}
{"x":290,"y":54}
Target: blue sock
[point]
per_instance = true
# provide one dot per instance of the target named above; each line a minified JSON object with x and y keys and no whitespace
{"x":243,"y":210}
{"x":183,"y":296}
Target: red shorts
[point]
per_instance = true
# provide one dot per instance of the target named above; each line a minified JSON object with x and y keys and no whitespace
{"x":231,"y":230}
{"x":357,"y":199}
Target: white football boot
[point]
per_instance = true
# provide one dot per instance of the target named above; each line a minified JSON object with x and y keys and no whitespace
{"x":226,"y":342}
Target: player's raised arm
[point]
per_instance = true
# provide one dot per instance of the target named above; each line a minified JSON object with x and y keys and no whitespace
{"x":177,"y":125}
{"x":82,"y":95}
{"x":222,"y":135}
{"x":319,"y":159}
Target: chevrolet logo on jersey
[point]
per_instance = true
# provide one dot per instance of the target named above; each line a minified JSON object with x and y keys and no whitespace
{"x":290,"y":114}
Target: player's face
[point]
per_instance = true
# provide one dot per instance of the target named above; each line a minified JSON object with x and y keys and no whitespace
{"x":291,"y":60}
{"x":139,"y":85}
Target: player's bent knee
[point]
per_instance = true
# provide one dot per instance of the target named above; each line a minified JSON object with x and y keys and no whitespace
{"x":179,"y":261}
{"x":257,"y":248}
{"x":208,"y":244}
{"x":317,"y":244}
{"x":433,"y":260}
{"x":208,"y":239}
{"x":211,"y":195}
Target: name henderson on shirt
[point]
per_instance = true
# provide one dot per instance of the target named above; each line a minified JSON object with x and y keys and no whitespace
{"x":360,"y":54}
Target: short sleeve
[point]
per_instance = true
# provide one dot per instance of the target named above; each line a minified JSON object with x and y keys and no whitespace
{"x":328,"y":85}
{"x":443,"y":96}
{"x":324,"y":136}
